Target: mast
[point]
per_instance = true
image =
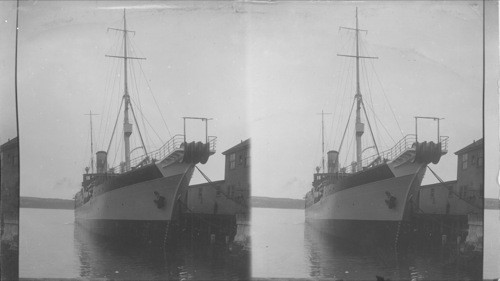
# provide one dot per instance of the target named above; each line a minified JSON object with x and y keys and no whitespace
{"x":323,"y":138}
{"x":127,"y":126}
{"x":91,"y":142}
{"x":360,"y":126}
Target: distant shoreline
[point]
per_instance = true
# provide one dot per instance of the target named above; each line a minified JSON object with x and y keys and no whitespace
{"x":68,"y":204}
{"x":46,"y":203}
{"x":255,"y":202}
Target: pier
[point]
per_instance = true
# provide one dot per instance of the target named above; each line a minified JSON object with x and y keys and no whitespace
{"x":449,"y":217}
{"x":217,"y":212}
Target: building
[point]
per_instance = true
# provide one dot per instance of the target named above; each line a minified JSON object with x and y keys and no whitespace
{"x":222,"y":207}
{"x":228,"y":196}
{"x":462,"y":196}
{"x":455,"y":208}
{"x":9,"y":209}
{"x":470,"y":176}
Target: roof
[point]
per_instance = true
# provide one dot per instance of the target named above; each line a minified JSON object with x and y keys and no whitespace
{"x":446,"y":183}
{"x":239,"y":146}
{"x":207,"y":184}
{"x":479,"y":144}
{"x":10,"y":144}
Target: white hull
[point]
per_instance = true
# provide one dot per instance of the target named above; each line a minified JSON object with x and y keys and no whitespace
{"x":136,"y":201}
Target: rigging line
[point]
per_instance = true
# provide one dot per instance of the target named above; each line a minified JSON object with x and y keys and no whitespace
{"x":85,"y":150}
{"x":371,"y":103}
{"x":114,"y":128}
{"x":458,"y":195}
{"x":106,"y":87}
{"x":151,"y":91}
{"x":370,"y":127}
{"x":140,"y":135}
{"x":341,"y":94}
{"x":385,"y":96}
{"x":348,"y":120}
{"x":337,"y":98}
{"x":144,"y":117}
{"x":348,"y":150}
{"x":109,"y":101}
{"x":344,"y":96}
{"x":363,"y":47}
{"x":116,"y":151}
{"x":381,"y":123}
{"x":212,"y":183}
{"x":108,"y":116}
{"x":156,"y":103}
{"x":134,"y":79}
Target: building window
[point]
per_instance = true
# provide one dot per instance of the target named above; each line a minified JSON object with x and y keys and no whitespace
{"x":464,"y":161}
{"x":240,"y":161}
{"x":232,"y":161}
{"x":247,"y":159}
{"x":480,"y":158}
{"x":473,"y":160}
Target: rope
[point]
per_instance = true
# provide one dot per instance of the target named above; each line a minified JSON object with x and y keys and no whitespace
{"x":114,"y":128}
{"x":370,"y":127}
{"x":387,"y":100}
{"x":348,"y":120}
{"x":137,"y":124}
{"x":156,"y":103}
{"x":212,"y":185}
{"x":144,"y":118}
{"x":453,"y":192}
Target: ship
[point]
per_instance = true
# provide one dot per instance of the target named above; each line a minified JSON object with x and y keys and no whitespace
{"x":371,"y":201}
{"x":140,"y":198}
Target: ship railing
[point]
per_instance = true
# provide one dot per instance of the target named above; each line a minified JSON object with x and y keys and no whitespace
{"x":165,"y":150}
{"x":172,"y":145}
{"x":444,"y":144}
{"x":212,"y":140}
{"x":392,"y":153}
{"x":387,"y":155}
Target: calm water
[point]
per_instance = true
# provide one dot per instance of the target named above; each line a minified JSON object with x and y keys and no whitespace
{"x":51,"y":247}
{"x":283,"y":247}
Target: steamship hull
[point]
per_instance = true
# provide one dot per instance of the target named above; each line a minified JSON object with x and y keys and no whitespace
{"x":124,"y":208}
{"x":357,"y":208}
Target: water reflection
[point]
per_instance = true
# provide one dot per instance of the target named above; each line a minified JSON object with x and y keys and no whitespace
{"x":338,"y":259}
{"x":186,"y":259}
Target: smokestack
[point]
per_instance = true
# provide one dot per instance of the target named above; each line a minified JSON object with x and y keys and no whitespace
{"x":333,"y":161}
{"x":101,"y":162}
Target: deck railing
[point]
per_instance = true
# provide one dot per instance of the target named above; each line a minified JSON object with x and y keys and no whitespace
{"x":165,"y":150}
{"x":392,"y":153}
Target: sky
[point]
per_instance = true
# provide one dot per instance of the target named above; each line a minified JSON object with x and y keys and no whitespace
{"x":430,"y":64}
{"x":260,"y":69}
{"x":194,"y":67}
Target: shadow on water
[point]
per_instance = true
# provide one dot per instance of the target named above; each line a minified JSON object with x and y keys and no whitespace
{"x":338,"y":259}
{"x":186,"y":259}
